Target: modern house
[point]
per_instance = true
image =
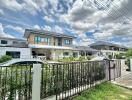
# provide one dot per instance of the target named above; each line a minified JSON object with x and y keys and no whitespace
{"x":85,"y":51}
{"x":17,"y":48}
{"x":107,"y":48}
{"x":51,"y":46}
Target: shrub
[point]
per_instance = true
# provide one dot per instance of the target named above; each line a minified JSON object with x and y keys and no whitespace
{"x":88,"y":57}
{"x":110,"y":56}
{"x":128,"y":63}
{"x":70,"y":59}
{"x":82,"y":58}
{"x":5,"y":58}
{"x":120,"y":56}
{"x":128,"y":55}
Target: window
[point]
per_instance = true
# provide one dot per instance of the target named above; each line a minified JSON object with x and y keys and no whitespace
{"x":45,"y":39}
{"x":13,"y":54}
{"x":75,"y":54}
{"x":15,"y":42}
{"x":3,"y":42}
{"x":66,"y":54}
{"x":37,"y":39}
{"x":67,"y":42}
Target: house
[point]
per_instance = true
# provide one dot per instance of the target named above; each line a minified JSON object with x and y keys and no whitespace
{"x":42,"y":44}
{"x":17,"y":48}
{"x":107,"y":48}
{"x":85,"y":50}
{"x":52,"y":46}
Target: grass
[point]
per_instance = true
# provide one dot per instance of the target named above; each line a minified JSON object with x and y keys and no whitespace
{"x":106,"y":91}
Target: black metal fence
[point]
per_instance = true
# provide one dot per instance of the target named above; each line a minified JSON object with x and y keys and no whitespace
{"x":58,"y":80}
{"x":16,"y":82}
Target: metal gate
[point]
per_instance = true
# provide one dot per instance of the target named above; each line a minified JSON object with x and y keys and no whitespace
{"x":114,"y":69}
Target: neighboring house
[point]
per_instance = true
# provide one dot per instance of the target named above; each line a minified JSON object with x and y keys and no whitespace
{"x":17,"y":48}
{"x":107,"y":48}
{"x":52,"y":46}
{"x":85,"y":51}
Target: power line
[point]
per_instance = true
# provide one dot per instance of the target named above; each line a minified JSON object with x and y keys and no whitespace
{"x":115,"y":12}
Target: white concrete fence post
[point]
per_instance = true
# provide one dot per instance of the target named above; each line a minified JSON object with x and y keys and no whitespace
{"x":36,"y":82}
{"x":131,"y":64}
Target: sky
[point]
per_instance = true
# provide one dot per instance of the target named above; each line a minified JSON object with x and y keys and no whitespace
{"x":89,"y":20}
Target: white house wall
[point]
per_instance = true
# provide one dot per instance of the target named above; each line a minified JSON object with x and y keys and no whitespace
{"x":24,"y":52}
{"x":9,"y":42}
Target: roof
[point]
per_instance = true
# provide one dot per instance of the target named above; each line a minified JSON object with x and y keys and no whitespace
{"x":98,"y":43}
{"x":16,"y":39}
{"x":84,"y":48}
{"x":49,"y":47}
{"x":78,"y":48}
{"x":42,"y":32}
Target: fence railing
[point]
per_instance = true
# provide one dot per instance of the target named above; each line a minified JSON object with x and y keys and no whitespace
{"x":58,"y":80}
{"x":16,"y":82}
{"x":67,"y":79}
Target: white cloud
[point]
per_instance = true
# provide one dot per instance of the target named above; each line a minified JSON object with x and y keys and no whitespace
{"x":54,"y":4}
{"x":28,"y":6}
{"x":84,"y":40}
{"x":31,"y":7}
{"x":36,"y":27}
{"x":83,"y":17}
{"x":58,"y":29}
{"x":16,"y":28}
{"x":2,"y":33}
{"x":48,"y":28}
{"x":11,"y":4}
{"x":1,"y":12}
{"x":48,"y":19}
{"x":103,"y":35}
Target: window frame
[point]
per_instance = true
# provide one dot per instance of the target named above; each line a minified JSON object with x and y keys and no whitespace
{"x":5,"y":42}
{"x":37,"y":39}
{"x":14,"y":54}
{"x":64,"y":54}
{"x":67,"y":42}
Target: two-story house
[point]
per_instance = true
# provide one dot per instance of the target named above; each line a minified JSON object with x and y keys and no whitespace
{"x":49,"y":45}
{"x":17,"y":48}
{"x":107,"y":48}
{"x":52,"y":46}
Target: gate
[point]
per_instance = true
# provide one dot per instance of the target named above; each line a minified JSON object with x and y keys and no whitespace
{"x":114,"y":69}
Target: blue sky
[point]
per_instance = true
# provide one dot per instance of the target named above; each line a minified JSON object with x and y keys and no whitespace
{"x":88,"y":20}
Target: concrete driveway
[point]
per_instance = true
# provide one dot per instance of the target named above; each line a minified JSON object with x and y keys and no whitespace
{"x":125,"y":80}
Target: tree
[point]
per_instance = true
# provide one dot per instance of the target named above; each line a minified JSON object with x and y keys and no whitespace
{"x":129,"y":53}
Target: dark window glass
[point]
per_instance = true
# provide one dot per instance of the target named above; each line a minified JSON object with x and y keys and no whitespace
{"x":75,"y":54}
{"x":67,"y":42}
{"x":13,"y":54}
{"x":66,"y":53}
{"x":3,"y":42}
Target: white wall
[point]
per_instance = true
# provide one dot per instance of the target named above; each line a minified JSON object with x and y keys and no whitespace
{"x":24,"y":52}
{"x":9,"y":42}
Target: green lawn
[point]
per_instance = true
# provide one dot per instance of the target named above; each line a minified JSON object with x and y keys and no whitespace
{"x":106,"y":91}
